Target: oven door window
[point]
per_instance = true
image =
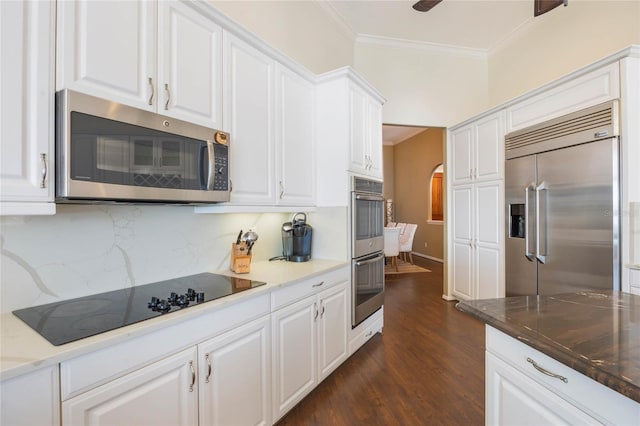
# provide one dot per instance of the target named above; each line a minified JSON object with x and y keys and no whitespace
{"x":369,"y":220}
{"x":113,"y":152}
{"x":369,"y":279}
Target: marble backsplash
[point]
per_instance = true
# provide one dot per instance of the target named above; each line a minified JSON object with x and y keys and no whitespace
{"x":87,"y":249}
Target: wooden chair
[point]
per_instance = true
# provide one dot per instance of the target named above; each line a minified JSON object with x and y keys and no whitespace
{"x":392,"y":245}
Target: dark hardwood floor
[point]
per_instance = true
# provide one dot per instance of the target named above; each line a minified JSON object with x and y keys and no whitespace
{"x":427,"y":368}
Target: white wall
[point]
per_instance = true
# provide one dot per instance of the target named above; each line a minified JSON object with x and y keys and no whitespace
{"x":559,"y":42}
{"x":424,"y":87}
{"x":306,"y":31}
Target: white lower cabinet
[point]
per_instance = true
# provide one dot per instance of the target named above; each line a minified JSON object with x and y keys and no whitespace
{"x":310,"y":341}
{"x":165,"y":392}
{"x":32,"y":399}
{"x":519,"y":392}
{"x":235,"y":376}
{"x":477,"y":249}
{"x":515,"y":399}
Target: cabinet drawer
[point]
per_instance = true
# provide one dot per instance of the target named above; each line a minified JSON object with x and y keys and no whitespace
{"x":595,"y":399}
{"x":590,"y":89}
{"x":308,"y":287}
{"x":88,"y":371}
{"x":365,"y":331}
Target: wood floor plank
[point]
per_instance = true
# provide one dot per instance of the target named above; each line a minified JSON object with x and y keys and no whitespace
{"x":427,"y":368}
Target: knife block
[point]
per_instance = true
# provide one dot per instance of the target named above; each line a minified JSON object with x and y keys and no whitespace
{"x":240,"y":261}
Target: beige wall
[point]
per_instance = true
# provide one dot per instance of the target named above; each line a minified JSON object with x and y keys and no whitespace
{"x":387,"y":162}
{"x":413,"y":162}
{"x":305,"y":31}
{"x":423,"y":87}
{"x":559,"y":42}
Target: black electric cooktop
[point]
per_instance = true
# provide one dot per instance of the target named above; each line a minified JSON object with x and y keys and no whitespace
{"x":75,"y":319}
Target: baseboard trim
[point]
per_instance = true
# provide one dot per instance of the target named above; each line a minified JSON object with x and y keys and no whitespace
{"x":448,"y":298}
{"x":435,"y":259}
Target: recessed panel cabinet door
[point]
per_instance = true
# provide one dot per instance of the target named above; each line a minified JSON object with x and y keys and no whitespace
{"x":235,"y":376}
{"x":248,"y":115}
{"x":26,"y":101}
{"x":358,"y":150}
{"x":295,"y":354}
{"x":332,"y":331}
{"x":295,"y":135}
{"x":463,"y":239}
{"x":189,"y":58}
{"x":108,"y":49}
{"x":164,"y":393}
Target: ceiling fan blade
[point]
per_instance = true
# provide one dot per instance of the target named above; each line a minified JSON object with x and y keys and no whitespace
{"x":425,"y":5}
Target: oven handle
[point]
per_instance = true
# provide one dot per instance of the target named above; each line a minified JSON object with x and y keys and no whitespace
{"x":372,"y":260}
{"x":369,"y":197}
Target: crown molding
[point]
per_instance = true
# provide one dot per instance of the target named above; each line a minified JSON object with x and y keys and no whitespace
{"x":420,"y":45}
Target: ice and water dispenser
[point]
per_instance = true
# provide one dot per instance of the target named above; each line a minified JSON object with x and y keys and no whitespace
{"x":517,"y":218}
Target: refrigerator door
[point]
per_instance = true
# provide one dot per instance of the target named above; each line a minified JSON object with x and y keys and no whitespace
{"x":577,"y":206}
{"x":521,"y":270}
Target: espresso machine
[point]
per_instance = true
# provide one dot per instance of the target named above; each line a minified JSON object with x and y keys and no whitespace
{"x":296,"y":239}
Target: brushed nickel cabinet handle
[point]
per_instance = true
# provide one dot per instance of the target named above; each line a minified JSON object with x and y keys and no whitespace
{"x":322,"y":313}
{"x":150,"y":80}
{"x":319,"y":284}
{"x":315,"y":308}
{"x":43,"y":159}
{"x":208,"y":358}
{"x":281,"y":190}
{"x":166,"y":89}
{"x":193,"y":376}
{"x":547,"y":372}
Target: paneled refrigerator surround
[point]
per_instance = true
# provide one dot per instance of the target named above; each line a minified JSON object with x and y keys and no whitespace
{"x":562,"y":201}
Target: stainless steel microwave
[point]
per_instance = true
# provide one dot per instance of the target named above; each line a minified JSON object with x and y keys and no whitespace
{"x":106,"y":151}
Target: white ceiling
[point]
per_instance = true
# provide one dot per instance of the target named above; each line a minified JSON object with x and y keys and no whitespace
{"x":475,"y":24}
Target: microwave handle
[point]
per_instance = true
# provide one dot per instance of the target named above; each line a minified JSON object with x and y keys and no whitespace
{"x":212,"y":166}
{"x":369,"y":197}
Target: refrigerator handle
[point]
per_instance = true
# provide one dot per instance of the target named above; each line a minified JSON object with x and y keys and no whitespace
{"x":542,"y":257}
{"x":528,"y":253}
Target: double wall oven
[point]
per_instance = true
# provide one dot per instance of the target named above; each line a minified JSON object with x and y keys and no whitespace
{"x":367,"y":244}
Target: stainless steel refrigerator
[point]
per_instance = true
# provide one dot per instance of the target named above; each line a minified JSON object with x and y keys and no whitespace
{"x":562,"y":201}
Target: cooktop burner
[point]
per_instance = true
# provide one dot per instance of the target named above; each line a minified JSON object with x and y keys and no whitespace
{"x":75,"y":319}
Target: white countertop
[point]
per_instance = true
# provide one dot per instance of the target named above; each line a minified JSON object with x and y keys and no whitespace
{"x":23,"y":350}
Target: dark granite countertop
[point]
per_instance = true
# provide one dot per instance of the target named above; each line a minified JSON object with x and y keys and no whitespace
{"x":595,"y":333}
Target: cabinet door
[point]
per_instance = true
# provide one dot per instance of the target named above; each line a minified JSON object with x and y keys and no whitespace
{"x":32,"y":399}
{"x":294,"y":354}
{"x":189,"y":65}
{"x":108,"y":49}
{"x":463,"y":234}
{"x":488,"y":242}
{"x":461,"y":148}
{"x":375,"y":138}
{"x":235,"y":376}
{"x":489,"y":148}
{"x":26,"y":101}
{"x":358,"y":151}
{"x":248,"y":116}
{"x":332,"y":329}
{"x":296,"y":145}
{"x":515,"y":399}
{"x":161,"y":393}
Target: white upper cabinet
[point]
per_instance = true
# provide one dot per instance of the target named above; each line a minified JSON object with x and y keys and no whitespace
{"x":248,"y":115}
{"x":295,"y":147}
{"x":182,"y":80}
{"x":27,"y":105}
{"x":365,"y":133}
{"x":478,"y":150}
{"x":189,"y":65}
